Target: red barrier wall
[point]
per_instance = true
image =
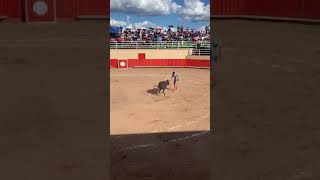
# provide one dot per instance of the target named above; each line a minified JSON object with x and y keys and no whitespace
{"x":11,"y":8}
{"x":65,"y":9}
{"x":73,"y":8}
{"x":34,"y":17}
{"x":93,"y":7}
{"x":164,"y":62}
{"x":310,"y":9}
{"x":299,"y":9}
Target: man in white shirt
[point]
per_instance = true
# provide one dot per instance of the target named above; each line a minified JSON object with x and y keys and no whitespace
{"x":175,"y":78}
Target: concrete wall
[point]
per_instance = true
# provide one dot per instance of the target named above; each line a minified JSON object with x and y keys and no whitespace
{"x":198,"y":57}
{"x":150,"y":53}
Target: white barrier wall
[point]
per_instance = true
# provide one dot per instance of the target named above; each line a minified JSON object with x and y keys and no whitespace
{"x":150,"y":53}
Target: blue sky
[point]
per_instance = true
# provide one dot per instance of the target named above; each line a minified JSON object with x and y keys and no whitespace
{"x":188,"y":13}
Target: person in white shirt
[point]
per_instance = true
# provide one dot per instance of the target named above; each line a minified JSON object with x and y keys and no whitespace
{"x":175,"y":78}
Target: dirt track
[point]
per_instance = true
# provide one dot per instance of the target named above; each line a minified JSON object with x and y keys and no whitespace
{"x":267,"y":109}
{"x":136,"y":108}
{"x":52,"y":101}
{"x":267,"y":106}
{"x":149,"y":131}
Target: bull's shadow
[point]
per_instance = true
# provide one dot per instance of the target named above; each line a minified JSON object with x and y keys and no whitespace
{"x":153,"y":91}
{"x":161,"y":87}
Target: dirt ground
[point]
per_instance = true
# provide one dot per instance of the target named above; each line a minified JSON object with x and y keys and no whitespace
{"x":159,"y":136}
{"x":266,"y":101}
{"x":53,"y":101}
{"x":53,"y":97}
{"x":265,"y":106}
{"x":136,"y":107}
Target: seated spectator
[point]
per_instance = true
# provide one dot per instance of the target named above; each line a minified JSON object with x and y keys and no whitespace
{"x":158,"y":34}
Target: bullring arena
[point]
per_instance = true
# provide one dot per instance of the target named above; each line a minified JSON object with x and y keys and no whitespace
{"x":136,"y":108}
{"x":148,"y":129}
{"x":262,"y":92}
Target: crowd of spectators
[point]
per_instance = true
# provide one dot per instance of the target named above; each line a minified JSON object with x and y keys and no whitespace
{"x":157,"y":34}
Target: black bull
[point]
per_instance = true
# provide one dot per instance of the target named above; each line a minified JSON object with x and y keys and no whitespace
{"x":163,"y":86}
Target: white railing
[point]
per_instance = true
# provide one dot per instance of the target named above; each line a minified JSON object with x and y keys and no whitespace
{"x":157,"y":45}
{"x":200,"y":52}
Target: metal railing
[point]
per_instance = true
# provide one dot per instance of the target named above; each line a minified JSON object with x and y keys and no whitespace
{"x":157,"y":45}
{"x":201,"y":52}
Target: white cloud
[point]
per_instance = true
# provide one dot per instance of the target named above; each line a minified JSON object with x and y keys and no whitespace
{"x":117,"y":23}
{"x":194,"y":10}
{"x":144,"y":7}
{"x":128,"y":19}
{"x":130,"y":26}
{"x":162,"y":27}
{"x":140,"y":25}
{"x":144,"y":24}
{"x":191,"y":10}
{"x":203,"y":28}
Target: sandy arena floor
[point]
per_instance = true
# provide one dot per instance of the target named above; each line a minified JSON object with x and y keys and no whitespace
{"x":266,"y":101}
{"x":49,"y":73}
{"x":136,"y":108}
{"x":145,"y":125}
{"x":266,"y":107}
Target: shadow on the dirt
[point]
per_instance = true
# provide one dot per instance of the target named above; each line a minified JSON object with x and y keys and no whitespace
{"x":154,"y":91}
{"x":166,"y":155}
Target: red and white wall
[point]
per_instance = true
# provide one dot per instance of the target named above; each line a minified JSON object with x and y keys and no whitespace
{"x":195,"y":63}
{"x":124,"y":58}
